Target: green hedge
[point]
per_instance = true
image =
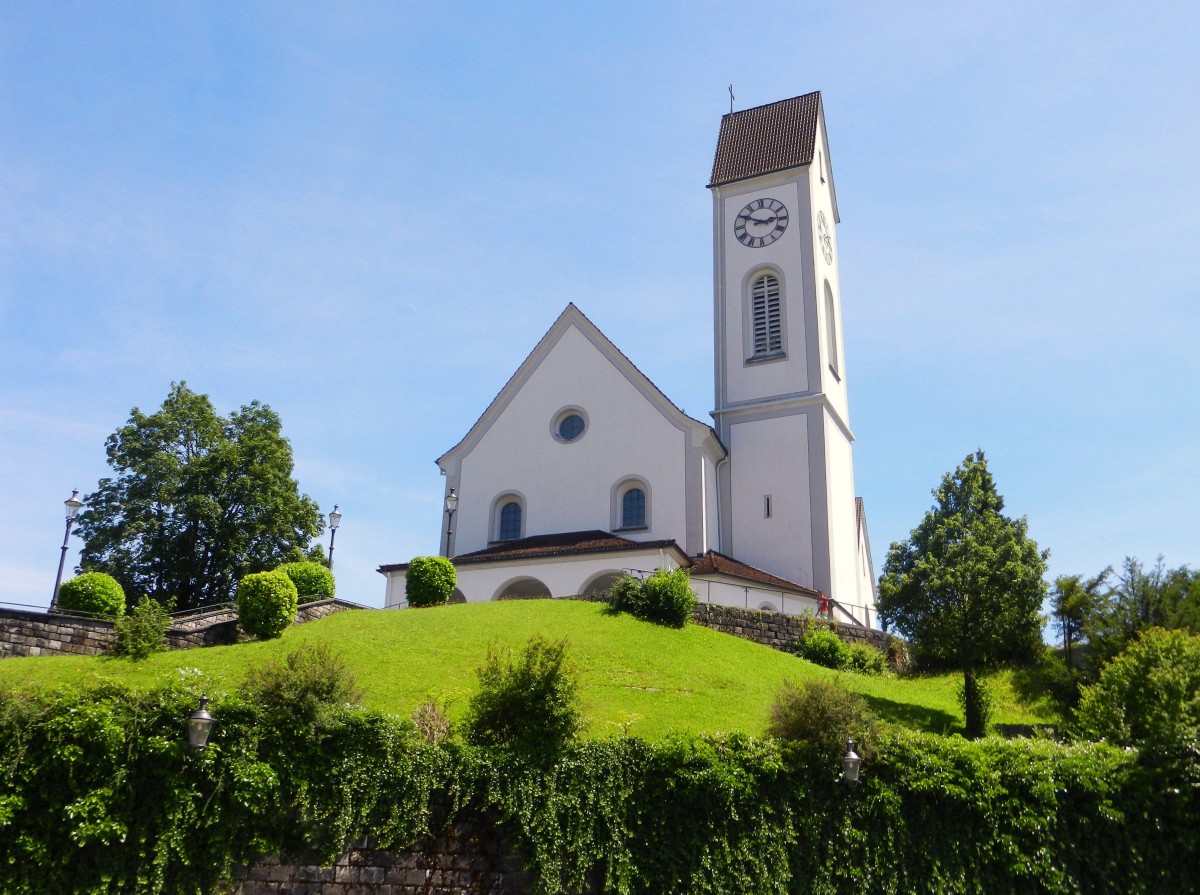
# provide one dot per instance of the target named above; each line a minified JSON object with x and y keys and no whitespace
{"x":99,"y":795}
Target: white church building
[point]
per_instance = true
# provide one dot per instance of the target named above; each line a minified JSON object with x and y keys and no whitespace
{"x":581,"y":470}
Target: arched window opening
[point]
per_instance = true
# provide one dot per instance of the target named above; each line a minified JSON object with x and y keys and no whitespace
{"x":510,"y":521}
{"x":831,"y":332}
{"x":767,"y":322}
{"x":631,"y":504}
{"x":633,"y":508}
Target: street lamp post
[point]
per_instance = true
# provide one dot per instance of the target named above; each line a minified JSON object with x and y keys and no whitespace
{"x":73,"y":505}
{"x":451,"y":506}
{"x":335,"y":519}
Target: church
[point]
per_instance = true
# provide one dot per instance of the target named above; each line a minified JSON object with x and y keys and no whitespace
{"x":581,"y":470}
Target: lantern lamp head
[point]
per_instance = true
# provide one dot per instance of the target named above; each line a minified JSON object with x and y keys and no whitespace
{"x":335,"y":518}
{"x":851,"y":763}
{"x":199,"y":726}
{"x":73,"y":504}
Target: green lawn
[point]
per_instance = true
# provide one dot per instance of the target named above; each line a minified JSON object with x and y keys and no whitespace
{"x":635,"y":676}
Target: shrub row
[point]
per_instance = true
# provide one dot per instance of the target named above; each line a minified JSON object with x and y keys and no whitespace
{"x":264,"y":606}
{"x":99,"y":795}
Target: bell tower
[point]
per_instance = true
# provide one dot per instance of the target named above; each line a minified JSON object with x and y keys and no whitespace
{"x":787,"y":492}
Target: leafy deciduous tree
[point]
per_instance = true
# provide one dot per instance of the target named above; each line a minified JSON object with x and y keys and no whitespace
{"x":966,"y":587}
{"x":198,"y":501}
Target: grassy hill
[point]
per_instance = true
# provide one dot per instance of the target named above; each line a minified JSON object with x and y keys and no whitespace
{"x":635,"y":676}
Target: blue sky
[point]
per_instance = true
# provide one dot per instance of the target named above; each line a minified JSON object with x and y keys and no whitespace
{"x":365,"y":215}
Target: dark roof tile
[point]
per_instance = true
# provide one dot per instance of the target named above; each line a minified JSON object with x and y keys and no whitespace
{"x":713,"y":562}
{"x":562,"y":544}
{"x":767,"y":138}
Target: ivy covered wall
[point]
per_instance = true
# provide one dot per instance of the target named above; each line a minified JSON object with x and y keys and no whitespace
{"x":98,"y":795}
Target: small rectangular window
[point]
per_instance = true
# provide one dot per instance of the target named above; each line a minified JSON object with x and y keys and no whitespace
{"x":767,"y":506}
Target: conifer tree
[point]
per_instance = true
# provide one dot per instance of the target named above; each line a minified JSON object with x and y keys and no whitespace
{"x":967,"y":586}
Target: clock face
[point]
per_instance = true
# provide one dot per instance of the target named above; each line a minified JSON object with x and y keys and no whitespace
{"x":824,"y":238}
{"x":760,"y":223}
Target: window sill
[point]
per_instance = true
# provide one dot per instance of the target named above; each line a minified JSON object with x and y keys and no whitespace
{"x":632,"y":528}
{"x":766,"y":358}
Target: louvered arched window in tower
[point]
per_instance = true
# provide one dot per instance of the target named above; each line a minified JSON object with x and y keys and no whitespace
{"x":831,"y":347}
{"x":766,"y":316}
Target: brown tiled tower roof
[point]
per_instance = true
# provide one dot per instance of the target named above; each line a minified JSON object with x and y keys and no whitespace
{"x":767,"y":138}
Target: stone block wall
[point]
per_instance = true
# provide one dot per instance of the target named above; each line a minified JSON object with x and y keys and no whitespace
{"x":41,"y":634}
{"x":775,"y":629}
{"x":471,"y":857}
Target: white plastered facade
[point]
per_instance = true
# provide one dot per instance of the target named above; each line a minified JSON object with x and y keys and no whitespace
{"x":771,"y":483}
{"x":632,"y":435}
{"x":784,"y":417}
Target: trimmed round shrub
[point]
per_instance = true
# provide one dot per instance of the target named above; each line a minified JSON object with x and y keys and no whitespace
{"x":429,"y":581}
{"x":1149,"y":697}
{"x":823,"y":715}
{"x":95,"y":593}
{"x":667,"y":598}
{"x":822,"y":647}
{"x":313,"y":580}
{"x":266,"y":603}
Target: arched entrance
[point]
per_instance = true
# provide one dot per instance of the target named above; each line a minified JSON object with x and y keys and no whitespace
{"x":600,"y":584}
{"x":522,"y":589}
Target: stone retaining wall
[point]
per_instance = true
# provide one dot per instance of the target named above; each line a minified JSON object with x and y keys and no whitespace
{"x":42,"y":634}
{"x":471,"y":857}
{"x":775,"y":629}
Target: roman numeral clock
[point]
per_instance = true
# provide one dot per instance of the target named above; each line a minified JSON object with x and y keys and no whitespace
{"x":760,"y":223}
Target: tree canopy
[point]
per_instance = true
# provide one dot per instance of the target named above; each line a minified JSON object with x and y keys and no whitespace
{"x":1073,"y":601}
{"x":967,"y":586}
{"x":197,"y":501}
{"x":1140,"y":598}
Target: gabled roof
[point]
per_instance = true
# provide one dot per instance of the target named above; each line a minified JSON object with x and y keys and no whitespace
{"x":572,"y":317}
{"x":768,"y":138}
{"x":568,"y":543}
{"x":714,"y":563}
